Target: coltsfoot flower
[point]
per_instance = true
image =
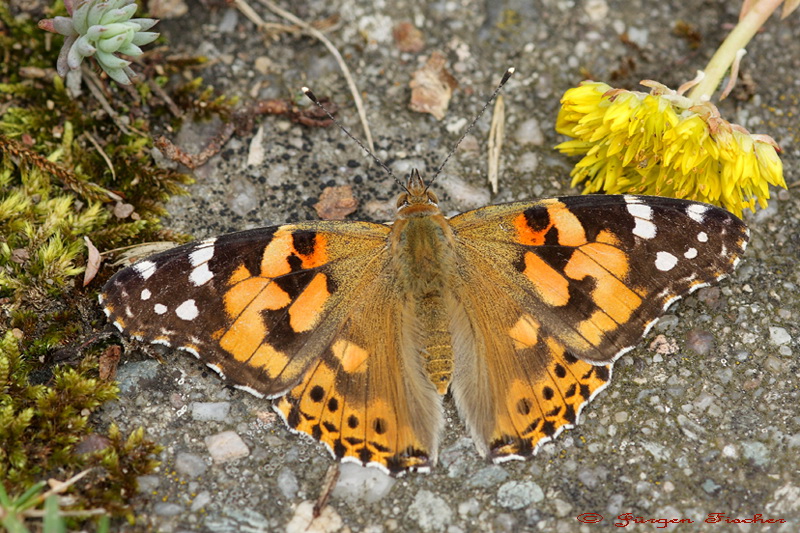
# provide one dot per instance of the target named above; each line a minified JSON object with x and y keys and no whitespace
{"x":665,"y":144}
{"x":101,"y":29}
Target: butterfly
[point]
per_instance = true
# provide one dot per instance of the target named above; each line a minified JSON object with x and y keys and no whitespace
{"x":357,"y":330}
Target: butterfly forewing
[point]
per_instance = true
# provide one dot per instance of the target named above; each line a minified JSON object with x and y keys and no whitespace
{"x":570,"y":280}
{"x":258,"y":306}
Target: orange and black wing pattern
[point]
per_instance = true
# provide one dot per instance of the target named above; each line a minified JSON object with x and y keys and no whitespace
{"x":556,"y":290}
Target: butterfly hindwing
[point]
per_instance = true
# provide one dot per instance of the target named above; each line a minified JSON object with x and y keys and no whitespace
{"x":568,"y":280}
{"x":368,"y":397}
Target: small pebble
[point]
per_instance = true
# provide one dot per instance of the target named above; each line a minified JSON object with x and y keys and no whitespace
{"x":210,"y":411}
{"x":430,"y":511}
{"x":200,"y":501}
{"x":190,"y":464}
{"x":700,"y":341}
{"x":147,"y":484}
{"x":528,"y":162}
{"x":130,"y":375}
{"x":287,"y":483}
{"x":530,"y":132}
{"x":596,"y":9}
{"x":779,"y":336}
{"x":488,"y":477}
{"x":756,"y":451}
{"x":710,"y":486}
{"x":361,"y":483}
{"x":229,"y":20}
{"x":519,"y":494}
{"x":167,"y":509}
{"x":226,"y":446}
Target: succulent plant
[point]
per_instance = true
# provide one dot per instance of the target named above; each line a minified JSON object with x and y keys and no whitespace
{"x":101,"y":29}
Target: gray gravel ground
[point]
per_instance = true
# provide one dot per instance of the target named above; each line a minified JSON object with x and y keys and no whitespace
{"x":679,"y":435}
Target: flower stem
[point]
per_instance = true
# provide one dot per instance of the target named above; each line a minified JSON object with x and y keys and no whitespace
{"x":726,"y":53}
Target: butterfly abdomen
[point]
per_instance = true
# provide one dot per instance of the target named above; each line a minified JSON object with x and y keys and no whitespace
{"x":424,"y":263}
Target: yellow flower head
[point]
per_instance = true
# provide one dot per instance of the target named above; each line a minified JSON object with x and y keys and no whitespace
{"x":662,"y":143}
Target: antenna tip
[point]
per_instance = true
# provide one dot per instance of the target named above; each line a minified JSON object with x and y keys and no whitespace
{"x":511,"y":70}
{"x":309,"y":94}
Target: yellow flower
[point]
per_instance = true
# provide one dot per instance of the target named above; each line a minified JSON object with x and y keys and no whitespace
{"x":662,"y":143}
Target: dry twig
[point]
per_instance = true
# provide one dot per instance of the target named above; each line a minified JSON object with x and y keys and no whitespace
{"x":496,"y":135}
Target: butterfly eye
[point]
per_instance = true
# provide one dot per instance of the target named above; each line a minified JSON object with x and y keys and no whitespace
{"x":432,"y":198}
{"x":402,"y":200}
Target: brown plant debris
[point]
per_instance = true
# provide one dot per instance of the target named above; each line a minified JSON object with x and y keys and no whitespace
{"x":432,"y":87}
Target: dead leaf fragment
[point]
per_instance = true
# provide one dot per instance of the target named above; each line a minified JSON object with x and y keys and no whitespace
{"x":92,"y":263}
{"x":496,"y":135}
{"x":109,"y":360}
{"x":432,"y":87}
{"x":408,"y":38}
{"x":335,"y":203}
{"x":123,"y":210}
{"x":20,"y":255}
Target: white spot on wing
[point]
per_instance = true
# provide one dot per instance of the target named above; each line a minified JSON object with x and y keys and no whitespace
{"x":187,"y":310}
{"x":145,"y":268}
{"x":700,"y":284}
{"x":202,"y":254}
{"x":649,"y":326}
{"x":691,"y":253}
{"x":200,"y":275}
{"x":702,"y":236}
{"x":665,"y":261}
{"x":160,"y":309}
{"x":644,"y":228}
{"x":251,"y":390}
{"x":190,"y":350}
{"x":640,"y":211}
{"x":697,"y":212}
{"x":118,"y":325}
{"x":670,"y":302}
{"x":146,"y":294}
{"x":216,"y":369}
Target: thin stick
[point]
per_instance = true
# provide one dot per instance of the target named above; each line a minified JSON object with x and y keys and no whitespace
{"x":310,"y":30}
{"x":496,"y":135}
{"x":328,"y":484}
{"x":102,"y":154}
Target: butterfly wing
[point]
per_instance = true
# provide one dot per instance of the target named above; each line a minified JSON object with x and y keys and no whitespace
{"x":368,"y":397}
{"x":301,"y":310}
{"x":554,"y":291}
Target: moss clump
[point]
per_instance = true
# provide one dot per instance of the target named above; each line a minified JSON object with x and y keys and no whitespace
{"x":71,"y":168}
{"x":41,"y":426}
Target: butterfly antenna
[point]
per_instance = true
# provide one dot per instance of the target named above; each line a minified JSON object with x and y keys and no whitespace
{"x":506,"y":76}
{"x":388,"y":170}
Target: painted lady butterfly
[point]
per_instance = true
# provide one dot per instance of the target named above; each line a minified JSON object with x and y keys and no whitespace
{"x":358,"y":329}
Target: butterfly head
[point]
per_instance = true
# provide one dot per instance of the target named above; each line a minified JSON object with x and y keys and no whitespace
{"x":417,"y":200}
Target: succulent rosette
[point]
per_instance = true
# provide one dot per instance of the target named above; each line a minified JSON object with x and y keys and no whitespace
{"x":101,"y":29}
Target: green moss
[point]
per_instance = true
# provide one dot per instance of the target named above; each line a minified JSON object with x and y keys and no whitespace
{"x":65,"y":164}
